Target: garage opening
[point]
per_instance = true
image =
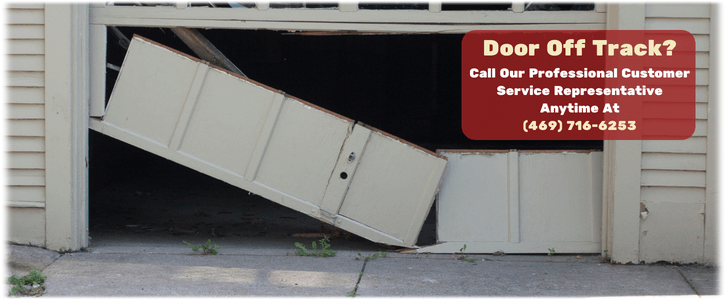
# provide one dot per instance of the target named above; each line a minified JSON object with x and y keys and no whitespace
{"x":407,"y":85}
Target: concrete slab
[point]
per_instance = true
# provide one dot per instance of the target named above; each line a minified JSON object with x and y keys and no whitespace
{"x":705,"y":280}
{"x":93,"y":274}
{"x":23,"y":259}
{"x":508,"y":277}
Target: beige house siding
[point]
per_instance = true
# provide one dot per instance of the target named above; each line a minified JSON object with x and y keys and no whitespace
{"x":26,"y":126}
{"x":673,"y":173}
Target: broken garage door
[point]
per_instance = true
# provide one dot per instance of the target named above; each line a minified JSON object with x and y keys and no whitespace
{"x":294,"y":153}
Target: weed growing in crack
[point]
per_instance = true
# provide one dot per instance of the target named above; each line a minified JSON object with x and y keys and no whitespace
{"x":463,"y":257}
{"x":206,"y":248}
{"x":324,"y":249}
{"x":552,"y":251}
{"x":371,"y":256}
{"x":31,"y":284}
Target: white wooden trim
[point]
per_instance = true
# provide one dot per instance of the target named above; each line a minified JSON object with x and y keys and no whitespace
{"x":506,"y":247}
{"x":518,"y":7}
{"x":712,"y":156}
{"x":513,"y":195}
{"x":435,"y":6}
{"x":262,"y":5}
{"x":601,"y":7}
{"x":362,"y":27}
{"x":109,"y":14}
{"x":66,"y":117}
{"x":97,"y":102}
{"x":348,"y":6}
{"x":621,"y":178}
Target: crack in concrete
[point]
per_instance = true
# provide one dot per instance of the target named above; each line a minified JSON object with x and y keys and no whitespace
{"x":689,"y":283}
{"x":360,"y":276}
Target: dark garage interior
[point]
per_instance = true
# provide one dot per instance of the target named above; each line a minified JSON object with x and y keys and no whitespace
{"x":406,"y":85}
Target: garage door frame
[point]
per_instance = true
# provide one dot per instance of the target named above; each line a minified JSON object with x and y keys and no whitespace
{"x":75,"y":75}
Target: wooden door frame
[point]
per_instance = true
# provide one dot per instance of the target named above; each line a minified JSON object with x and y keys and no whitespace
{"x":66,"y":126}
{"x":75,"y":49}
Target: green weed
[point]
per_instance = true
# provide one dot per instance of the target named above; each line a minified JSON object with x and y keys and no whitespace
{"x":464,"y":257}
{"x":31,"y":284}
{"x":324,"y":249}
{"x":206,"y":248}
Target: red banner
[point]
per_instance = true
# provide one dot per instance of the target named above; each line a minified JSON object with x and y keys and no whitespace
{"x":578,"y":85}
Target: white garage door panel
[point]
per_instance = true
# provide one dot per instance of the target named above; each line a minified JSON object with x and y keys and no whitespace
{"x":555,"y":207}
{"x":381,"y":192}
{"x":520,"y":202}
{"x":155,"y":117}
{"x":228,"y":114}
{"x":480,"y":174}
{"x":302,"y":152}
{"x":279,"y":147}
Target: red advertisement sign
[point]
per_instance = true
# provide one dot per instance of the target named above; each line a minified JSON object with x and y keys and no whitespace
{"x":578,"y":85}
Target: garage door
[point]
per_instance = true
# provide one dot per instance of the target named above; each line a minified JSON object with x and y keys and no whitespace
{"x":348,"y":174}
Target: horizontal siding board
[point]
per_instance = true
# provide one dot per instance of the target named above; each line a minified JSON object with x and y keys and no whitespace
{"x":690,"y":145}
{"x":26,"y":180}
{"x":673,"y":178}
{"x":26,"y":226}
{"x":701,"y":76}
{"x":694,"y":26}
{"x":25,"y":31}
{"x":25,"y":5}
{"x":690,"y":10}
{"x":673,"y":161}
{"x":672,"y":110}
{"x":659,"y":194}
{"x":703,"y":60}
{"x":25,"y":79}
{"x":25,"y":95}
{"x":25,"y":46}
{"x":26,"y":172}
{"x":25,"y":144}
{"x":672,"y":232}
{"x":703,"y":42}
{"x":26,"y":193}
{"x":701,"y":94}
{"x":25,"y":111}
{"x":26,"y":127}
{"x":26,"y":160}
{"x":701,"y":111}
{"x":33,"y":62}
{"x":701,"y":128}
{"x":25,"y":16}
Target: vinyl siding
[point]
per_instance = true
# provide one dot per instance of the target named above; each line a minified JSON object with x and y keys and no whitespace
{"x":25,"y":113}
{"x":673,"y":173}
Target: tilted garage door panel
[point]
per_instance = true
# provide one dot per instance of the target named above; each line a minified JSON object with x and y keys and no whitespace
{"x":380,"y":192}
{"x":228,"y":115}
{"x":160,"y":98}
{"x":277,"y":146}
{"x":303,"y":151}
